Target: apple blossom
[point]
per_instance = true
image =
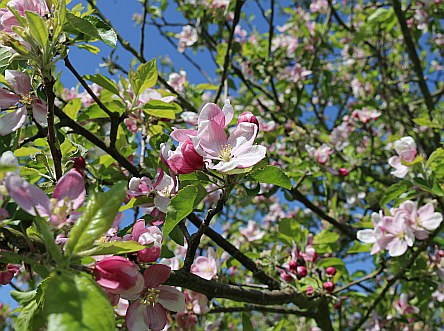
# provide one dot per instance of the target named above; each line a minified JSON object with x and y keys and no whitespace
{"x":187,"y":37}
{"x":7,"y":18}
{"x":16,"y":102}
{"x":69,"y":195}
{"x":406,"y":148}
{"x":145,"y":236}
{"x":117,"y":275}
{"x":149,"y":310}
{"x":7,"y":275}
{"x":252,"y":232}
{"x":206,"y":266}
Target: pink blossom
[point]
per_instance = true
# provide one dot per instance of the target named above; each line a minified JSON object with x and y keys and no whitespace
{"x":206,"y":267}
{"x":121,"y":307}
{"x":403,"y":307}
{"x":186,"y":320}
{"x":247,"y":117}
{"x":184,"y":159}
{"x":69,"y":194}
{"x":189,"y":117}
{"x":321,"y":154}
{"x":252,"y":231}
{"x":7,"y":275}
{"x":149,"y":310}
{"x":365,"y":115}
{"x":117,"y":275}
{"x":18,"y":101}
{"x":406,"y":149}
{"x":310,"y":254}
{"x":400,"y":170}
{"x":145,"y":236}
{"x":7,"y":18}
{"x":187,"y":37}
{"x":196,"y":302}
{"x":319,"y":6}
{"x":178,"y":80}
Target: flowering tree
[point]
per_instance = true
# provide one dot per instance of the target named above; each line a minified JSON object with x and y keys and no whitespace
{"x":298,"y":187}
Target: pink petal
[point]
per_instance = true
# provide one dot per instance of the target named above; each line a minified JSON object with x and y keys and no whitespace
{"x":71,"y":187}
{"x":211,"y":139}
{"x":8,"y":98}
{"x":156,"y":275}
{"x":212,"y":112}
{"x":171,"y":298}
{"x":242,"y":138}
{"x":228,"y":112}
{"x":19,"y":82}
{"x":11,"y":121}
{"x":39,"y":112}
{"x":156,"y":316}
{"x":137,"y":317}
{"x":366,"y":236}
{"x":138,"y":229}
{"x":251,"y":156}
{"x":29,"y":197}
{"x":397,"y":247}
{"x":182,"y":135}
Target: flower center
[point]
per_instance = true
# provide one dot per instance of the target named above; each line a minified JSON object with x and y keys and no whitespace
{"x":225,"y":152}
{"x":26,"y":99}
{"x":149,"y":296}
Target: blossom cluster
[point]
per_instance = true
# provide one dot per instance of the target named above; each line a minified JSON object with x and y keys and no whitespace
{"x":398,"y":231}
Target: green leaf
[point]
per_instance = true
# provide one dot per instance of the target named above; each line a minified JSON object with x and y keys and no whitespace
{"x":114,"y":247}
{"x":23,"y":297}
{"x":105,"y":31}
{"x":395,"y":191}
{"x":160,"y":109}
{"x":72,"y":108}
{"x":423,"y":121}
{"x":272,"y":175}
{"x":97,"y":218}
{"x":29,"y":318}
{"x":206,"y":87}
{"x":177,"y":236}
{"x":436,"y":162}
{"x":144,"y":77}
{"x":82,"y":25}
{"x":5,"y":55}
{"x":38,"y":29}
{"x":182,"y":205}
{"x":74,"y":302}
{"x":104,"y":82}
{"x":47,"y":235}
{"x":326,"y":237}
{"x":246,"y":323}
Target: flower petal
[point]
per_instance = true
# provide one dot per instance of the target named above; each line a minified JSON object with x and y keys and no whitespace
{"x":29,"y":197}
{"x":157,"y":317}
{"x":171,"y":298}
{"x":8,"y":98}
{"x":11,"y":121}
{"x":136,"y":317}
{"x":242,"y":138}
{"x":211,"y":112}
{"x":251,"y":156}
{"x":366,"y":236}
{"x":156,"y":275}
{"x":72,"y":188}
{"x":397,"y":247}
{"x":19,"y":82}
{"x":39,"y":111}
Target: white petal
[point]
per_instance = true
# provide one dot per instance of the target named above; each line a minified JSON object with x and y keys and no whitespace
{"x":366,"y":236}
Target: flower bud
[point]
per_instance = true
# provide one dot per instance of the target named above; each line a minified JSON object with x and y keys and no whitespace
{"x":186,"y":321}
{"x":309,"y":291}
{"x":302,"y":271}
{"x":329,"y":286}
{"x":248,"y":117}
{"x":286,"y":277}
{"x":118,"y":275}
{"x":7,"y":275}
{"x":293,"y":264}
{"x":343,"y":172}
{"x":331,"y":271}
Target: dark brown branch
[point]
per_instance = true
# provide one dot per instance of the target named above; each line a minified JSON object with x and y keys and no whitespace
{"x":142,"y":28}
{"x":249,"y":264}
{"x":237,"y":12}
{"x":271,"y":310}
{"x":79,"y":129}
{"x":346,"y":229}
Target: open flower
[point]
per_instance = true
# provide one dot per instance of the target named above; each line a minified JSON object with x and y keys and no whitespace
{"x":145,"y":236}
{"x":149,"y":310}
{"x":206,"y":266}
{"x":69,"y":194}
{"x":17,"y":101}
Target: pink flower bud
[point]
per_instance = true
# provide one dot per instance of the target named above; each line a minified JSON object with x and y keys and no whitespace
{"x":310,"y":254}
{"x":79,"y":163}
{"x":329,"y":286}
{"x":337,"y":305}
{"x":331,"y":271}
{"x":286,"y":277}
{"x":343,"y":172}
{"x":309,"y":291}
{"x":7,"y":275}
{"x":247,"y":117}
{"x":293,"y":264}
{"x":118,"y":275}
{"x":302,"y":271}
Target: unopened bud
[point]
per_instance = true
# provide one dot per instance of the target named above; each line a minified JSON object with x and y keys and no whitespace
{"x":286,"y":277}
{"x":293,"y":264}
{"x":329,"y":286}
{"x":331,"y":271}
{"x":343,"y":172}
{"x":247,"y":117}
{"x":309,"y":291}
{"x":302,"y":271}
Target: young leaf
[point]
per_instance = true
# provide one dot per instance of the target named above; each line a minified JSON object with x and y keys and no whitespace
{"x":74,"y":302}
{"x":114,"y":247}
{"x":272,"y":175}
{"x":182,"y":205}
{"x":144,"y":77}
{"x":98,"y":217}
{"x":104,"y":82}
{"x":395,"y":191}
{"x":38,"y":29}
{"x":106,"y":33}
{"x":160,"y":109}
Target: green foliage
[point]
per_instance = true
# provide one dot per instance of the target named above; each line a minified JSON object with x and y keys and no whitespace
{"x":73,"y":301}
{"x":144,"y":77}
{"x":99,"y":214}
{"x":272,"y":175}
{"x":182,"y":205}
